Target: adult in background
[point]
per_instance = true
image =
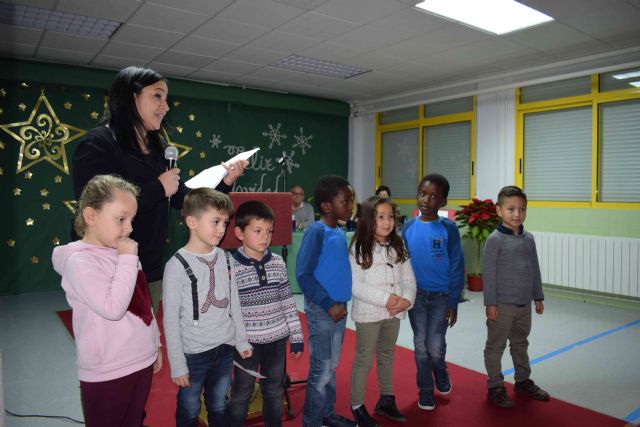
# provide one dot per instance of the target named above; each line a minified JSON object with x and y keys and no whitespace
{"x":302,"y":212}
{"x":127,"y":142}
{"x":383,"y":191}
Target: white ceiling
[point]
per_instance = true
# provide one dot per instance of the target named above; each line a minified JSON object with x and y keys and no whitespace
{"x":234,"y":41}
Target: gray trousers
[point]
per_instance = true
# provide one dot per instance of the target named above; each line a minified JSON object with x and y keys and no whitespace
{"x":513,"y":324}
{"x":377,"y":338}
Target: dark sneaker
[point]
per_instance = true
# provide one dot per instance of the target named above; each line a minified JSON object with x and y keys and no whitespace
{"x":426,"y":402}
{"x":386,"y":406}
{"x":362,"y":417}
{"x":499,"y":397}
{"x":335,"y":420}
{"x":530,"y":388}
{"x":445,"y":388}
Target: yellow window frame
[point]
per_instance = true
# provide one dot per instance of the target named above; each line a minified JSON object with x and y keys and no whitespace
{"x":420,"y":124}
{"x":594,"y":99}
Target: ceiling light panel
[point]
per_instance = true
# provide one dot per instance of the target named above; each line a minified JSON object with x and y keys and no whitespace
{"x":318,"y":66}
{"x":53,"y":20}
{"x":493,"y":16}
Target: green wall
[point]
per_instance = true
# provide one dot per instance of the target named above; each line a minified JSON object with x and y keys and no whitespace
{"x":211,"y":124}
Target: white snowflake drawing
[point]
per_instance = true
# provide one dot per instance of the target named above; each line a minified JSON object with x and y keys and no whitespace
{"x":215,"y":141}
{"x":274,"y":134}
{"x":302,"y":141}
{"x":289,"y":163}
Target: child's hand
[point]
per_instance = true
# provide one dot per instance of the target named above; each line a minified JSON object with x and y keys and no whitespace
{"x":492,"y":312}
{"x":392,"y":302}
{"x":337,"y":312}
{"x":451,"y":316}
{"x":127,"y":246}
{"x":246,"y":354}
{"x":401,"y":306}
{"x":296,"y":355}
{"x":539,"y":307}
{"x":182,"y":381}
{"x":157,"y":365}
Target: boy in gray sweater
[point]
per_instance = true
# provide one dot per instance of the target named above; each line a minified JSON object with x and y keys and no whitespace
{"x":511,"y":276}
{"x":202,"y":315}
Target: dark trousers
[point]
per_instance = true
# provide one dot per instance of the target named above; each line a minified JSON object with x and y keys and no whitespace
{"x":269,"y":359}
{"x":116,"y":403}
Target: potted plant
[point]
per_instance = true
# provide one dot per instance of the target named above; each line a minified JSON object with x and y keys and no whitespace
{"x":480,"y":219}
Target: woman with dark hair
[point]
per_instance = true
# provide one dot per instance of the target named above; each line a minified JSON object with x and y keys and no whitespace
{"x":127,"y":143}
{"x":383,"y":191}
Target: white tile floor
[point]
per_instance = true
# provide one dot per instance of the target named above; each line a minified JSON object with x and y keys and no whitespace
{"x":39,"y":374}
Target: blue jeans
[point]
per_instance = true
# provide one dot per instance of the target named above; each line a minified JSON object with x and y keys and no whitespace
{"x":429,"y":328}
{"x":325,"y":344}
{"x":211,"y":371}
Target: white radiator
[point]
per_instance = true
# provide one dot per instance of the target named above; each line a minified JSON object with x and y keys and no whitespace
{"x":595,"y":263}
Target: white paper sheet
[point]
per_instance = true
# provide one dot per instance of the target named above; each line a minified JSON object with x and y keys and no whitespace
{"x":249,"y":371}
{"x":212,"y":176}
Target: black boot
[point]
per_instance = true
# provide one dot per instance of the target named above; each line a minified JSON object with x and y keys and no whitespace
{"x":362,"y":417}
{"x":387,"y":406}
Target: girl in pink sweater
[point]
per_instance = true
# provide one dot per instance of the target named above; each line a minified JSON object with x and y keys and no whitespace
{"x":117,"y":338}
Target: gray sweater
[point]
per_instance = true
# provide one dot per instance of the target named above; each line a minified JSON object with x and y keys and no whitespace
{"x":511,"y":273}
{"x":219,"y":323}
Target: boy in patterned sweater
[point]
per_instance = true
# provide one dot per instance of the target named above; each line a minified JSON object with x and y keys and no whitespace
{"x":269,"y":313}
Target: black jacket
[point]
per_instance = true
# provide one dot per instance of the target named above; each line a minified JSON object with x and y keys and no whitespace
{"x":98,"y":153}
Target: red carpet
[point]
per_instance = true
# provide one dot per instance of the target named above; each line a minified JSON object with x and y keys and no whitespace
{"x":466,"y":405}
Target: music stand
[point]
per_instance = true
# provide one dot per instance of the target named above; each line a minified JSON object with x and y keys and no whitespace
{"x":281,"y":205}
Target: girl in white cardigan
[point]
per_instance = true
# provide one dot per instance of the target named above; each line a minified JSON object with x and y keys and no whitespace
{"x":384,"y":288}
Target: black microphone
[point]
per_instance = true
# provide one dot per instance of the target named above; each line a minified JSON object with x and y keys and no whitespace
{"x":171,"y":155}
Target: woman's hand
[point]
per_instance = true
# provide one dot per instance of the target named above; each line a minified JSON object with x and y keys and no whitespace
{"x":234,"y":170}
{"x":170,"y":181}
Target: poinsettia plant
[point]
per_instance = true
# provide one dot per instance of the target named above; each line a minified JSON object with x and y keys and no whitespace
{"x":480,"y":219}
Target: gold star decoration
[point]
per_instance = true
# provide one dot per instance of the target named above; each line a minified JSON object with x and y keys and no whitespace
{"x":192,"y":117}
{"x":55,"y":241}
{"x":67,"y":105}
{"x":192,"y":172}
{"x":28,"y":175}
{"x":17,"y":191}
{"x":44,"y":192}
{"x":30,"y":222}
{"x":57,"y":179}
{"x":86,"y":96}
{"x":46,"y":207}
{"x":42,"y":137}
{"x":3,"y":92}
{"x":71,"y":205}
{"x":182,"y":149}
{"x":203,"y":154}
{"x":23,"y":85}
{"x":94,"y":115}
{"x":198,"y":134}
{"x":11,"y":243}
{"x":176,"y":103}
{"x":22,"y":107}
{"x":34,"y":260}
{"x":179,"y":129}
{"x":1,"y":145}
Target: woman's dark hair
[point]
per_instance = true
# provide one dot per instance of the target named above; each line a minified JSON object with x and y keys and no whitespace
{"x":123,"y":117}
{"x":327,"y":187}
{"x":383,"y":188}
{"x":364,"y":239}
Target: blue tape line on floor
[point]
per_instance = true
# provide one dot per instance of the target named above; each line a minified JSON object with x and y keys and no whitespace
{"x":633,"y":416}
{"x":575,"y":344}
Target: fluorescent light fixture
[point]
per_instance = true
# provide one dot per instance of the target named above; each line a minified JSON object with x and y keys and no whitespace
{"x":318,"y":66}
{"x":494,"y":16}
{"x":629,"y":75}
{"x":635,"y":84}
{"x":54,"y":20}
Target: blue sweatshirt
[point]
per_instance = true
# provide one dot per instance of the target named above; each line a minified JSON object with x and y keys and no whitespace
{"x":436,"y":256}
{"x":322,"y":265}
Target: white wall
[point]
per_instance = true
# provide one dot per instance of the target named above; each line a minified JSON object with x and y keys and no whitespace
{"x":362,"y":154}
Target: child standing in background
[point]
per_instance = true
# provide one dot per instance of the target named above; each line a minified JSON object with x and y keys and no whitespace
{"x":117,"y":338}
{"x":269,"y":313}
{"x":438,"y":263}
{"x":202,"y":315}
{"x":511,"y":281}
{"x":384,"y":287}
{"x":324,"y":275}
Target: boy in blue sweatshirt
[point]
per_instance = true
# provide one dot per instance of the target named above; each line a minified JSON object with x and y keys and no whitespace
{"x":324,"y":275}
{"x":436,"y":257}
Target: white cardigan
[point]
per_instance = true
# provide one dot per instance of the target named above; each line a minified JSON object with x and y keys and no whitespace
{"x":373,"y":286}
